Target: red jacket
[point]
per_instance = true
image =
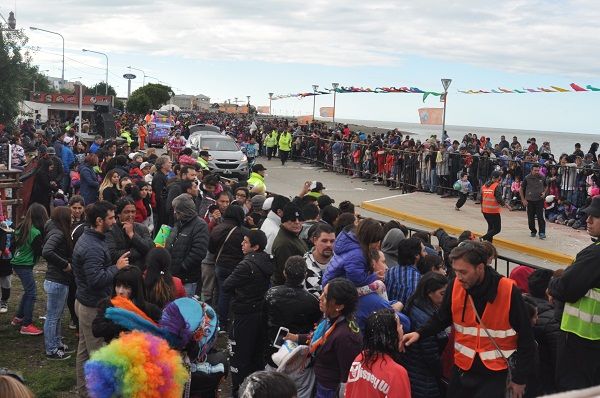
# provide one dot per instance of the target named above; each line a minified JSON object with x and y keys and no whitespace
{"x":384,"y":378}
{"x":140,"y":211}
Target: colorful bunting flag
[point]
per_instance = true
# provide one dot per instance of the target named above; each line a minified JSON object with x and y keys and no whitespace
{"x":552,"y":89}
{"x":577,"y":88}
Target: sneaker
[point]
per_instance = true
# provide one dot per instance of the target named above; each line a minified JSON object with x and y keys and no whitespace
{"x":542,"y":236}
{"x":72,"y":325}
{"x":3,"y":307}
{"x":58,"y":355}
{"x":16,"y":321}
{"x":65,"y":348}
{"x":31,"y":330}
{"x":42,"y":317}
{"x":457,"y":209}
{"x":532,"y":234}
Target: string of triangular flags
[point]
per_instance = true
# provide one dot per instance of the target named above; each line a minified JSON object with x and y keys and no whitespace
{"x":352,"y":89}
{"x":552,"y":89}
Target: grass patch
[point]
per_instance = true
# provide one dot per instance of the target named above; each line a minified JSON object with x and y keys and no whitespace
{"x":26,"y":354}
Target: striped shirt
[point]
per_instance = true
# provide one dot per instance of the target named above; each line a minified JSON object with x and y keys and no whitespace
{"x":401,"y":282}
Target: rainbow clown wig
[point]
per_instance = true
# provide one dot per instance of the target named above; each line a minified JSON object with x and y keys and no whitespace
{"x":137,"y":365}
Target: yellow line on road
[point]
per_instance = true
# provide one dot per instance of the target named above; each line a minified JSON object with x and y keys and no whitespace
{"x":549,"y":255}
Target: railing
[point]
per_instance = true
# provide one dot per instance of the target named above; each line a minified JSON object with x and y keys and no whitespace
{"x":437,"y":170}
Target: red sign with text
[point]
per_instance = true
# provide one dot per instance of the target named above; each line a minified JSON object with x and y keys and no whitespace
{"x":71,"y":99}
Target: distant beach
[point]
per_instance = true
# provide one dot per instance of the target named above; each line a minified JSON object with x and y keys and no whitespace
{"x":560,"y":142}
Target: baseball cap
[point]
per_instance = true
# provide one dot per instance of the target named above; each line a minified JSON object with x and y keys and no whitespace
{"x":203,"y":153}
{"x":316,"y":186}
{"x":291,"y":212}
{"x":594,"y":208}
{"x":258,"y":167}
{"x":325,"y":200}
{"x":268,"y":203}
{"x":145,"y":164}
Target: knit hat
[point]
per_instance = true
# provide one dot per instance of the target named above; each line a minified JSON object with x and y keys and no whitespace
{"x":291,"y":212}
{"x":258,"y":201}
{"x":185,"y":205}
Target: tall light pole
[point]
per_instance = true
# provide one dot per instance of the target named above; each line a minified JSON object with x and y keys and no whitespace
{"x":144,"y":73}
{"x":152,"y":77}
{"x":335,"y":86}
{"x":270,"y":101}
{"x":445,"y":84}
{"x":98,"y":52}
{"x":315,"y":87}
{"x":62,"y":77}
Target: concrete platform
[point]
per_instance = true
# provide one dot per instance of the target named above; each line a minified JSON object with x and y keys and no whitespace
{"x":430,"y":211}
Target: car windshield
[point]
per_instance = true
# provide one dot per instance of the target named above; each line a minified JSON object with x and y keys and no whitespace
{"x":218,"y":144}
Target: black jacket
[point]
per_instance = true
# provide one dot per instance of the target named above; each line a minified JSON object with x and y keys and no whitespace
{"x":518,"y":317}
{"x":111,"y":194}
{"x":188,"y":243}
{"x":57,"y":254}
{"x":249,"y":282}
{"x":159,"y":187}
{"x":173,"y":191}
{"x":119,"y":243}
{"x":93,"y":268}
{"x":232,"y":253}
{"x":292,"y":307}
{"x":547,"y":334}
{"x":108,"y":330}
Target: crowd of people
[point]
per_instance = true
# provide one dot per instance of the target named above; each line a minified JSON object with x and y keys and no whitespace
{"x":329,"y":303}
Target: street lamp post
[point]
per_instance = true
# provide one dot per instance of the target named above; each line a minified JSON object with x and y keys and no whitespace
{"x":270,"y":101}
{"x":335,"y":86}
{"x":248,"y":100}
{"x":315,"y":87}
{"x":62,"y":77}
{"x":445,"y":84}
{"x":144,"y":73}
{"x":98,"y":52}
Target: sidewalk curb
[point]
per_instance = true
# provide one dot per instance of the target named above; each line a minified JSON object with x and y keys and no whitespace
{"x":553,"y":256}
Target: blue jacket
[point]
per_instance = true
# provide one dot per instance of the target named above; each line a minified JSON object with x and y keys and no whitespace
{"x":68,"y":158}
{"x":88,"y":181}
{"x":348,"y":261}
{"x":92,"y":267}
{"x":372,"y":302}
{"x":422,"y":360}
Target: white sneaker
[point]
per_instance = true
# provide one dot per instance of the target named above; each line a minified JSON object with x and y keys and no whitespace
{"x":3,"y":307}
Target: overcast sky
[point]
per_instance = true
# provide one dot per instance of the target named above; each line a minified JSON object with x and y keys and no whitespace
{"x":237,"y":48}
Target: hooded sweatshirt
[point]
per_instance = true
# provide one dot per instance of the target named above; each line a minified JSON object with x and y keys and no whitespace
{"x":390,"y":244}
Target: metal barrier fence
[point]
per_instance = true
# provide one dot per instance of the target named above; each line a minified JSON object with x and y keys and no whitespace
{"x":436,"y":170}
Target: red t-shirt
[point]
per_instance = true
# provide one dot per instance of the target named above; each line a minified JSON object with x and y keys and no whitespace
{"x":384,"y":379}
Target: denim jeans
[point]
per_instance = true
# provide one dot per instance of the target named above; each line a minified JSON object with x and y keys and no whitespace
{"x":224,"y":298}
{"x":190,"y":289}
{"x":57,"y":298}
{"x":25,"y":310}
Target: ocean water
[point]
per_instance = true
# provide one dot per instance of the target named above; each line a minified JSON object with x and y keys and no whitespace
{"x":559,"y":142}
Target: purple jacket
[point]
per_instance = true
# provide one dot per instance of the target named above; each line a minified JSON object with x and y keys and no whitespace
{"x":348,"y":261}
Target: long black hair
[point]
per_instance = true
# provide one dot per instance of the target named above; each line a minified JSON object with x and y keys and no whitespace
{"x":36,"y":216}
{"x":380,"y":336}
{"x":344,"y":293}
{"x":430,"y":282}
{"x":160,"y":289}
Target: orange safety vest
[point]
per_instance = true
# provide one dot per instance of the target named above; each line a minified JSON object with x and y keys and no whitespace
{"x":488,"y":200}
{"x":470,"y":338}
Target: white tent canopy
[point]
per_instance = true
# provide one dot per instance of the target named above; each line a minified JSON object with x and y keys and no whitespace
{"x":170,"y":107}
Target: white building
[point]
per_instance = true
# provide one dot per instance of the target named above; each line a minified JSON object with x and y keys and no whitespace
{"x":191,"y":102}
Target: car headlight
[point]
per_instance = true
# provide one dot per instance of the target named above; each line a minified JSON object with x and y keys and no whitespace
{"x":244,"y":159}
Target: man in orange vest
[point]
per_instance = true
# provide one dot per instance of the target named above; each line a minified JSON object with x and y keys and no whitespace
{"x":491,"y":202}
{"x":480,"y":303}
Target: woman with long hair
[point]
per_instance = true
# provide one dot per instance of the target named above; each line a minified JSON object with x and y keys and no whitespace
{"x":380,"y":358}
{"x":57,"y":250}
{"x":336,"y":341}
{"x":140,"y":192}
{"x":352,"y":253}
{"x":127,"y":294}
{"x":109,"y":189}
{"x":28,"y":248}
{"x":161,"y":286}
{"x":423,"y":359}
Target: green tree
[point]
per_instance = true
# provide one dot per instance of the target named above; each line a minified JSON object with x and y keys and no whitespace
{"x":100,"y":89}
{"x":14,"y":64}
{"x":150,"y":96}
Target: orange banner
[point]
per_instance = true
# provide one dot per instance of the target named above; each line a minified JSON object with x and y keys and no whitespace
{"x":304,"y":120}
{"x":263,"y":109}
{"x":233,"y":109}
{"x":431,"y":115}
{"x":326,"y":111}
